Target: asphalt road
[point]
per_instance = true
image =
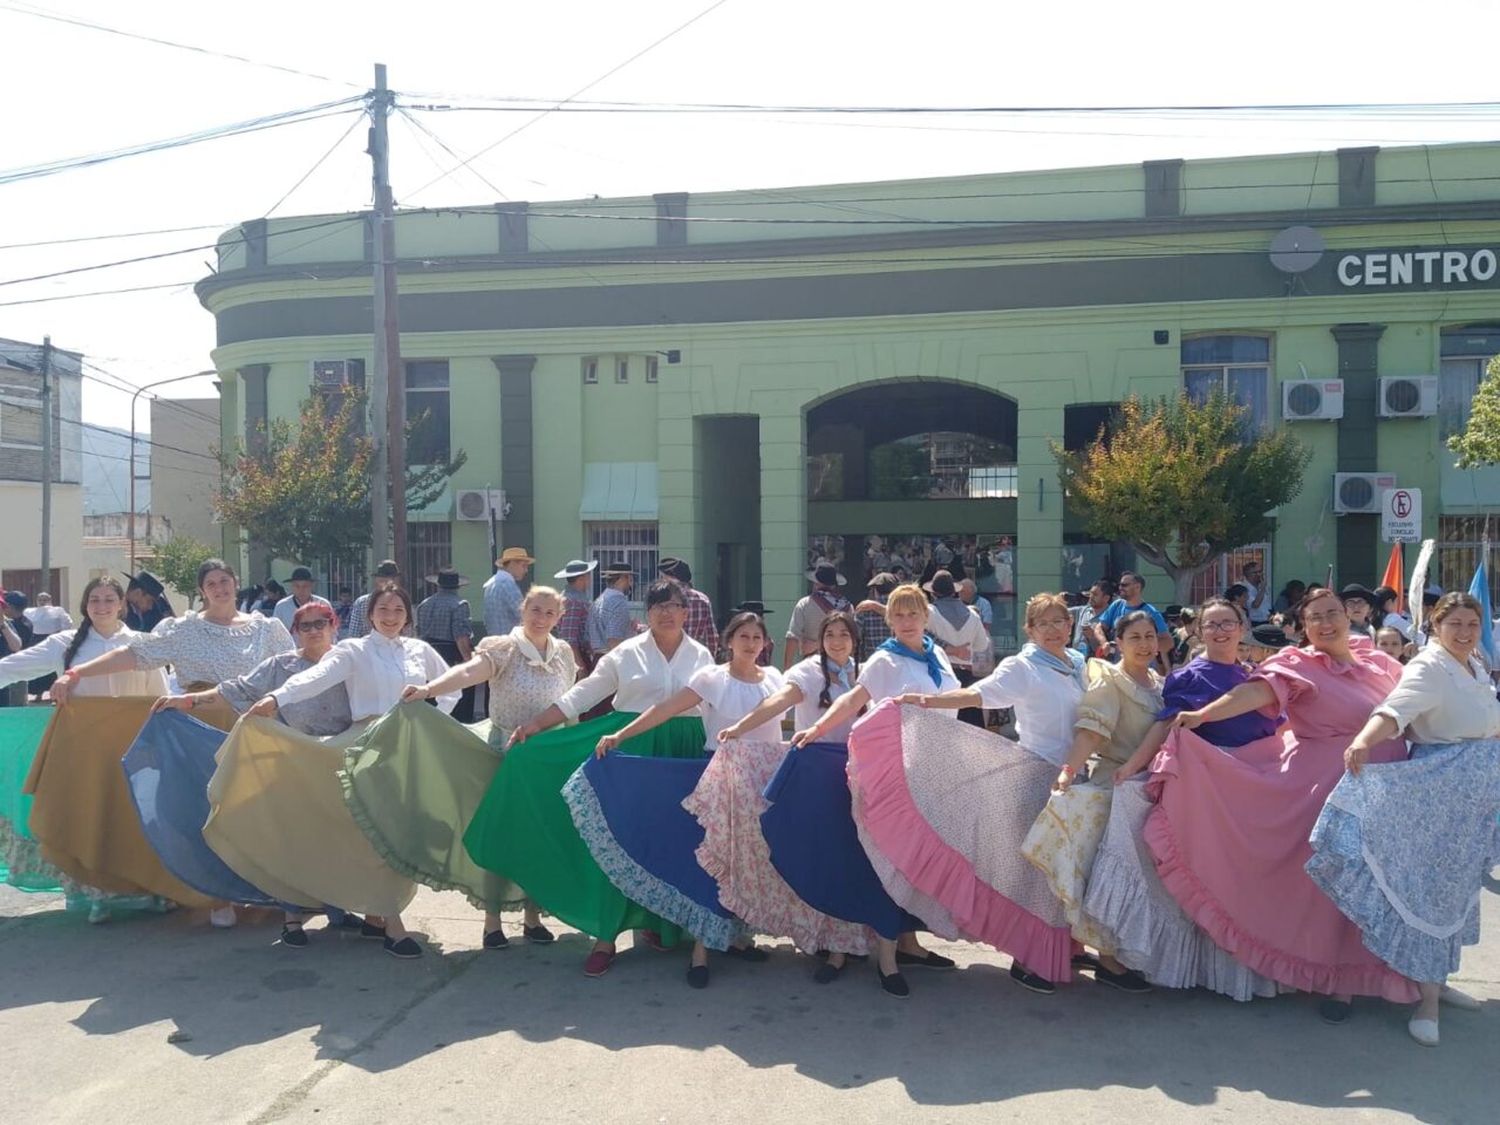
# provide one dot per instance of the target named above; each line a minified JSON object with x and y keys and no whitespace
{"x":160,"y":1018}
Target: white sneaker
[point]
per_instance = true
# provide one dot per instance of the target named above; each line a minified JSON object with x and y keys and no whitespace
{"x":222,"y":917}
{"x":1456,"y":999}
{"x":1424,"y":1032}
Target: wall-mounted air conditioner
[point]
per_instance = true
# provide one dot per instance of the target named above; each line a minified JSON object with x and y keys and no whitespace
{"x":1308,"y":400}
{"x":477,"y":503}
{"x":1408,"y":396}
{"x":1360,"y":492}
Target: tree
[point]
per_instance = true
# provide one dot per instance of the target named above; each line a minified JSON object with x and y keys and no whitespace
{"x":303,"y":492}
{"x":1479,"y":444}
{"x":1182,"y":481}
{"x":177,"y":561}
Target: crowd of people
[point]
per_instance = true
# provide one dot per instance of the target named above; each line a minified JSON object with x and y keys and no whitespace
{"x":1255,"y":795}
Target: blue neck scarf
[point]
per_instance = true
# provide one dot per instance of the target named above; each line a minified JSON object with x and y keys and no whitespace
{"x":928,"y":656}
{"x":1073,"y":664}
{"x":841,"y":674}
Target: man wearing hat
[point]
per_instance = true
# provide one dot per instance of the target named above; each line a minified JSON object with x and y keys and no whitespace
{"x":610,"y":622}
{"x":808,"y":614}
{"x":302,"y":593}
{"x":146,"y":597}
{"x":870,"y":616}
{"x":386,"y":573}
{"x":700,"y":611}
{"x":1359,"y":604}
{"x":1266,"y":640}
{"x":17,"y":633}
{"x":443,"y":622}
{"x":502,"y":592}
{"x":573,"y":625}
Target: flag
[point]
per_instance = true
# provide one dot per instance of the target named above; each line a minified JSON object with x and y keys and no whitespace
{"x":1395,"y":575}
{"x":1418,"y":585}
{"x":1480,"y":588}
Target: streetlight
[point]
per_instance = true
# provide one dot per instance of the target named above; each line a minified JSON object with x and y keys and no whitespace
{"x":138,"y":390}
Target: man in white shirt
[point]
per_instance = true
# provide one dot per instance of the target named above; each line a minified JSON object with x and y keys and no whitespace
{"x":302,"y":593}
{"x":1257,"y":600}
{"x":47,"y":618}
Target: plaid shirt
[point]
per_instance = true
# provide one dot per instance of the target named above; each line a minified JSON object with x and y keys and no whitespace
{"x":359,"y":618}
{"x":573,"y":626}
{"x":700,"y":620}
{"x":610,"y":620}
{"x":873,"y":632}
{"x":443,"y":618}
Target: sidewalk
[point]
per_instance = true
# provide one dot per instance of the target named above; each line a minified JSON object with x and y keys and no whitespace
{"x":158,"y":1019}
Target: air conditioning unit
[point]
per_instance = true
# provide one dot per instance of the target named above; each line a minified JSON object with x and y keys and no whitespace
{"x":1306,"y":400}
{"x":1360,"y":492}
{"x":478,"y":503}
{"x":330,"y":374}
{"x":1408,"y":396}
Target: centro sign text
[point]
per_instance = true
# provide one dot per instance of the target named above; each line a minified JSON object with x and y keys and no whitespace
{"x":1416,"y":267}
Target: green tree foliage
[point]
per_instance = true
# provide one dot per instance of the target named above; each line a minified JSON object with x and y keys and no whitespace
{"x":1479,"y":444}
{"x":303,"y":491}
{"x":177,"y":561}
{"x":1182,"y":481}
{"x":899,"y":471}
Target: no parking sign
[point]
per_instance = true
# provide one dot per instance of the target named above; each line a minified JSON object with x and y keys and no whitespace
{"x":1401,"y":515}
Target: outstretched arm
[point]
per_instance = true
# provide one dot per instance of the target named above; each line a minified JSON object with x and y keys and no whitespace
{"x":844,"y":709}
{"x":1252,"y":695}
{"x":120,"y":660}
{"x":788,"y":696}
{"x":650,"y":719}
{"x":1145,"y":752}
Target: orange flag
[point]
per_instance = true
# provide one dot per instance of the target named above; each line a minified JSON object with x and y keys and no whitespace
{"x":1395,"y":575}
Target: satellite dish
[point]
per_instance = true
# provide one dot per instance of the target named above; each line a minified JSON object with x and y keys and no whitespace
{"x":1296,"y":249}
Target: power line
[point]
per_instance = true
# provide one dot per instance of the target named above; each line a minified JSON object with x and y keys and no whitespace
{"x":76,"y":21}
{"x":15,"y":404}
{"x":578,"y":93}
{"x":111,"y":237}
{"x":316,"y":165}
{"x":101,"y":293}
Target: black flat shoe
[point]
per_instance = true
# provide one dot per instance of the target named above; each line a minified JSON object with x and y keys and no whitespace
{"x":925,"y":960}
{"x":893,"y":985}
{"x":1128,"y":981}
{"x":697,"y":976}
{"x":1028,"y":980}
{"x":1086,"y":961}
{"x":1335,"y":1012}
{"x":538,"y":934}
{"x":751,"y":953}
{"x":371,"y":932}
{"x":496,"y":939}
{"x":828,"y":973}
{"x":406,"y":949}
{"x":347,"y":922}
{"x":294,"y":937}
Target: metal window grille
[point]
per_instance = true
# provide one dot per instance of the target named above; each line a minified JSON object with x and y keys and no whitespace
{"x":635,"y":543}
{"x":1460,"y":539}
{"x":1211,"y":583}
{"x":429,"y":546}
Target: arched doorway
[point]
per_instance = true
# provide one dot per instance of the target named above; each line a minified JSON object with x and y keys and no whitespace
{"x":912,"y":476}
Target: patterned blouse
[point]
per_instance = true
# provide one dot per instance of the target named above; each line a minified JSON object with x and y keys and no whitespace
{"x":523,"y":681}
{"x":322,"y":715}
{"x":202,"y":652}
{"x":1120,"y":709}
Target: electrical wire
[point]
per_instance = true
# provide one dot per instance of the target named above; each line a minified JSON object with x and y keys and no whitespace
{"x":189,"y":283}
{"x":316,"y":165}
{"x":77,"y":21}
{"x":19,"y":405}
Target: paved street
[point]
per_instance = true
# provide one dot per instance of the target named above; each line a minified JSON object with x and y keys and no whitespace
{"x":162,"y":1019}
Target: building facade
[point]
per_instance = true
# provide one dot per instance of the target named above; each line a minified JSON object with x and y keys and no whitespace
{"x":876,"y":374}
{"x":185,"y":432}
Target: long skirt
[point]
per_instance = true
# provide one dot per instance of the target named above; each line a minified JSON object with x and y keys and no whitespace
{"x":168,"y":768}
{"x":808,"y":826}
{"x":1402,"y":849}
{"x":1229,"y":836}
{"x":83,"y":813}
{"x":728,"y":805}
{"x":524,"y":831}
{"x":21,"y":862}
{"x":1141,"y":922}
{"x":279,"y":821}
{"x":1063,"y":844}
{"x":413,"y":783}
{"x":629,"y":812}
{"x":949,"y":805}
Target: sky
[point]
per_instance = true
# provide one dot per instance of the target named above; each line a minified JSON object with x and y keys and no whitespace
{"x":75,"y":90}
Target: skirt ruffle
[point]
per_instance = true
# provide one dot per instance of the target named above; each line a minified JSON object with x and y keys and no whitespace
{"x":948,"y":805}
{"x":1127,"y":901}
{"x":629,"y":812}
{"x":412,"y":784}
{"x":728,"y":805}
{"x":809,"y":831}
{"x":168,"y":768}
{"x":523,"y":829}
{"x":1409,"y":879}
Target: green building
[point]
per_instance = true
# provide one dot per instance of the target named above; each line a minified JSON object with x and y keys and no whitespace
{"x":872,"y":373}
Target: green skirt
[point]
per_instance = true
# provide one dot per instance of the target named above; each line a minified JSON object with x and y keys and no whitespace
{"x":524,"y":831}
{"x":21,"y":863}
{"x":412,"y":784}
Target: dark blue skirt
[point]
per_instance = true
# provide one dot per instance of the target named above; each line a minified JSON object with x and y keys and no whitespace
{"x":629,"y":812}
{"x":814,"y":845}
{"x":168,"y":767}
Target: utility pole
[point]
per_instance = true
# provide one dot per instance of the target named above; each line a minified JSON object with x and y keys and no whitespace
{"x":46,"y":583}
{"x":388,"y":382}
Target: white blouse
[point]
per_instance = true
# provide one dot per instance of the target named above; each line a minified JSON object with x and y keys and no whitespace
{"x":204,"y":652}
{"x":40,"y":659}
{"x":637,"y":674}
{"x":1438,"y":700}
{"x":374,"y":671}
{"x":727,"y":700}
{"x":885,"y":675}
{"x":807,"y":675}
{"x":1045,"y":702}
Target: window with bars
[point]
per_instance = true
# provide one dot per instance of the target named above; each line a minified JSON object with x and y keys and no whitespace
{"x":1239,"y":367}
{"x":634,"y":544}
{"x":20,"y":411}
{"x":428,"y":412}
{"x":1230,"y":569}
{"x":1460,"y":541}
{"x":429,"y":546}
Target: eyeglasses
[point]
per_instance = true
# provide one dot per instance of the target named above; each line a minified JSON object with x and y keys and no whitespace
{"x":670,"y":605}
{"x":1220,"y":626}
{"x":314,"y":625}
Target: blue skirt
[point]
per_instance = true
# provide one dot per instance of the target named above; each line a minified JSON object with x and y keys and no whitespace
{"x":168,"y":767}
{"x":628,"y":810}
{"x":815,"y":847}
